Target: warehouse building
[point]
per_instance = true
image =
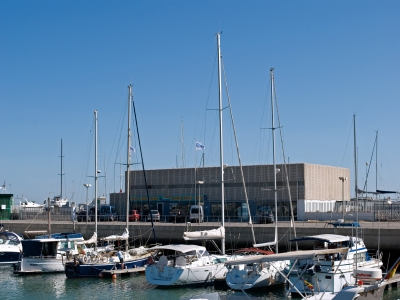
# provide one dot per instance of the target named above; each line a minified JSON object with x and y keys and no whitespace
{"x":310,"y":187}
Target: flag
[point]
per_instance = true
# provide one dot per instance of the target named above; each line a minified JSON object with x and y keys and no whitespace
{"x":131,"y":149}
{"x":393,"y":270}
{"x":200,"y":146}
{"x":309,"y":285}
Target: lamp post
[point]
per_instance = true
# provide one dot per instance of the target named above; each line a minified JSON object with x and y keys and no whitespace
{"x":87,"y":185}
{"x":343,"y":179}
{"x":199,"y":182}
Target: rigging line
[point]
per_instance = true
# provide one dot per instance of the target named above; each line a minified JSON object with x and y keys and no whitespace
{"x":85,"y":164}
{"x":144,"y":172}
{"x":208,"y":95}
{"x":238,"y":153}
{"x":369,"y":166}
{"x":285,"y":166}
{"x":120,"y":140}
{"x":347,"y":143}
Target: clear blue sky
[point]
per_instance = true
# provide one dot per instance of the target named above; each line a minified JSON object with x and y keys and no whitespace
{"x":61,"y":60}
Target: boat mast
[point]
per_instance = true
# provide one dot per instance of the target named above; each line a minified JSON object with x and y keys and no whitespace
{"x":221,"y":140}
{"x":95,"y":170}
{"x":376,"y":167}
{"x":61,"y":193}
{"x":128,"y":158}
{"x":355,"y":180}
{"x":273,"y":157}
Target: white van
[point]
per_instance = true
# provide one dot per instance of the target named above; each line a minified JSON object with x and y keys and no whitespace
{"x":196,"y":213}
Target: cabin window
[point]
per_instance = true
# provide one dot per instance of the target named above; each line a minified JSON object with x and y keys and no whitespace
{"x":328,"y":277}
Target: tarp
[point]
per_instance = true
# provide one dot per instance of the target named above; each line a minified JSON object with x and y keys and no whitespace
{"x":306,"y":254}
{"x":124,"y":236}
{"x":92,"y":240}
{"x":329,"y":238}
{"x":212,"y":234}
{"x":385,"y":192}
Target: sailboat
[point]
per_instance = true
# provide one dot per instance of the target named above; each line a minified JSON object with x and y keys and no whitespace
{"x":59,"y":201}
{"x":244,"y":275}
{"x":183,"y":264}
{"x":92,"y":263}
{"x":327,"y":274}
{"x":46,"y":253}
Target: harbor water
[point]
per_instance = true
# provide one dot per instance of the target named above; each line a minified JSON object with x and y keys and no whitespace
{"x":58,"y":286}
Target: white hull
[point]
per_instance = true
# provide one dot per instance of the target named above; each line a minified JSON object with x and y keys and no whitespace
{"x":186,"y":275}
{"x":40,"y":265}
{"x":330,"y":279}
{"x":244,"y":277}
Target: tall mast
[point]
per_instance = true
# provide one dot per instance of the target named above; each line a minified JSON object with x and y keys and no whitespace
{"x":273,"y":156}
{"x":355,"y":158}
{"x":182,"y":146}
{"x":95,"y":170}
{"x":128,"y":157}
{"x":61,"y":193}
{"x":221,"y":140}
{"x":376,"y":166}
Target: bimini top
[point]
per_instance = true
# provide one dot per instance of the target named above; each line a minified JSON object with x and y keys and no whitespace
{"x":329,"y":238}
{"x":62,"y":236}
{"x":179,"y":247}
{"x":306,"y":254}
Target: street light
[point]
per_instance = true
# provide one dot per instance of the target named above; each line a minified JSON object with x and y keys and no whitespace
{"x":199,"y":182}
{"x":343,"y":179}
{"x":87,"y":185}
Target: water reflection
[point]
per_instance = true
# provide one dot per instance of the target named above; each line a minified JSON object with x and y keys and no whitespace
{"x":57,"y":286}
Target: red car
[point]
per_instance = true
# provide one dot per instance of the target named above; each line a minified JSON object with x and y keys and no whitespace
{"x":134,"y":216}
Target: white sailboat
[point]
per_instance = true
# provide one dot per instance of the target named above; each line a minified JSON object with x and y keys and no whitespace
{"x":327,"y":274}
{"x":59,"y":201}
{"x":91,"y":264}
{"x":255,"y":274}
{"x":178,"y":265}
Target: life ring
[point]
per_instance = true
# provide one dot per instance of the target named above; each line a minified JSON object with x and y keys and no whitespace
{"x":150,"y":260}
{"x":84,"y":258}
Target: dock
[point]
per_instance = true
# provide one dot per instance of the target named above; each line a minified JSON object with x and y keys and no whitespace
{"x":121,"y":272}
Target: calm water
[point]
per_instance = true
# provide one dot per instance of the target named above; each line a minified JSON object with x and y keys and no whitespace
{"x":57,"y":286}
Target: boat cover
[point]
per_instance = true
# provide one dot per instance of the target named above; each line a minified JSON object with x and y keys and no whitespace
{"x":329,"y":238}
{"x":92,"y":240}
{"x":218,"y":233}
{"x":306,"y":254}
{"x":124,"y":236}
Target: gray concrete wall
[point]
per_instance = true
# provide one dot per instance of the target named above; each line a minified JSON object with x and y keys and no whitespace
{"x":237,"y":234}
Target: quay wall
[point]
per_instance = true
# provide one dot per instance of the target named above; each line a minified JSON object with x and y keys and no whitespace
{"x":376,"y":235}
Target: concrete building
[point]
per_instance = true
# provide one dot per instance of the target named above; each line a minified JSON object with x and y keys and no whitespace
{"x":311,"y":188}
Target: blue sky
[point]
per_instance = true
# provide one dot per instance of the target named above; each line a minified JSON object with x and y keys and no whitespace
{"x":61,"y":60}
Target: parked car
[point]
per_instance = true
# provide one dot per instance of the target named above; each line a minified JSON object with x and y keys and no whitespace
{"x":266,"y":217}
{"x":178,"y":215}
{"x":134,"y":216}
{"x":155,"y":214}
{"x":107,"y":213}
{"x":196,"y":214}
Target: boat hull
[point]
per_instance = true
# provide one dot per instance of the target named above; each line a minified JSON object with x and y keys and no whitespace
{"x":184,"y":276}
{"x":9,"y":257}
{"x":79,"y":270}
{"x":39,"y":266}
{"x":244,"y":277}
